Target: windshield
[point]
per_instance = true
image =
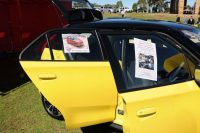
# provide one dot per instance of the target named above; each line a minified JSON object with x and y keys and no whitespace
{"x":192,"y":34}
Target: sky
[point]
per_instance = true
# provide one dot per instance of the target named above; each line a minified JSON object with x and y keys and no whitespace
{"x":127,"y":3}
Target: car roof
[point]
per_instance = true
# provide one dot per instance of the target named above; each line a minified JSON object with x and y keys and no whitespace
{"x":127,"y":23}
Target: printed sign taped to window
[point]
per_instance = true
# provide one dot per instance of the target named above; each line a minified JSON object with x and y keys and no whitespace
{"x":145,"y":60}
{"x":75,"y":43}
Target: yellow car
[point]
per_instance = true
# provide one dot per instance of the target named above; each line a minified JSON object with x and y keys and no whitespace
{"x":133,"y":75}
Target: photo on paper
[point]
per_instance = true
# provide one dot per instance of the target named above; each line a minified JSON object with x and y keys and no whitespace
{"x":146,"y":61}
{"x":75,"y":43}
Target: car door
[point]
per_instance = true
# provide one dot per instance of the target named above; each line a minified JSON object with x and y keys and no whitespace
{"x":70,"y":71}
{"x":161,"y":95}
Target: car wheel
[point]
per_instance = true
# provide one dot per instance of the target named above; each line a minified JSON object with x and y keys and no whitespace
{"x":100,"y":128}
{"x":51,"y":110}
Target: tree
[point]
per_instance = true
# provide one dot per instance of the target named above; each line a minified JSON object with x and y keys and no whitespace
{"x":95,"y":4}
{"x":119,"y":4}
{"x":134,"y":6}
{"x":142,"y":2}
{"x":148,"y":4}
{"x":109,"y":5}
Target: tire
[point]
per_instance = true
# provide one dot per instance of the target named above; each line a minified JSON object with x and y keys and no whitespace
{"x":101,"y":128}
{"x":51,"y":110}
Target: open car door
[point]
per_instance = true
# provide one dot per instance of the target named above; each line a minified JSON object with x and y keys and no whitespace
{"x":68,"y":68}
{"x":161,"y":95}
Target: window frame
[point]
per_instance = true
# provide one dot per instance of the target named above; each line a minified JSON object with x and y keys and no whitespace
{"x":63,"y":31}
{"x":117,"y":71}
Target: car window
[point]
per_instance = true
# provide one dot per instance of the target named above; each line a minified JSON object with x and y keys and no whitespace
{"x":64,"y":46}
{"x":37,"y":51}
{"x":148,"y":60}
{"x":193,"y":34}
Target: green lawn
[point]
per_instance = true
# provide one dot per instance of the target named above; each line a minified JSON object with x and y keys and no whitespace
{"x":21,"y":111}
{"x":152,"y":16}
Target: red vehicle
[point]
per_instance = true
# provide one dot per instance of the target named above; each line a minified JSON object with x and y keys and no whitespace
{"x":75,"y":41}
{"x":22,"y":21}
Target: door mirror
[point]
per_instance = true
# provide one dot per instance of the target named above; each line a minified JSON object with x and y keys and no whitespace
{"x":197,"y":74}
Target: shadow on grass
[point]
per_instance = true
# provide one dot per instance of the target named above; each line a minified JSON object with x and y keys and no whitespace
{"x":11,"y":73}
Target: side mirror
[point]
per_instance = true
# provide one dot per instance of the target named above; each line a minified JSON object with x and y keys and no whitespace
{"x":197,"y":74}
{"x":97,"y":14}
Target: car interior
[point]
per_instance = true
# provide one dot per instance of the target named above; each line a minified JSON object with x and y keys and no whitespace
{"x":168,"y":70}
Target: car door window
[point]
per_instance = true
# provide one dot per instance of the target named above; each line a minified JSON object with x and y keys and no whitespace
{"x":65,"y":46}
{"x":171,"y":66}
{"x":38,"y":51}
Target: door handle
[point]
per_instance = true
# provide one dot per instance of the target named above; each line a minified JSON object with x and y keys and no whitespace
{"x":47,"y":76}
{"x":146,"y":112}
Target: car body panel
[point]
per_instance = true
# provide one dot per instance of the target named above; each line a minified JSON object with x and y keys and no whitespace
{"x":84,"y":92}
{"x":58,"y":54}
{"x":172,"y":108}
{"x":197,"y":74}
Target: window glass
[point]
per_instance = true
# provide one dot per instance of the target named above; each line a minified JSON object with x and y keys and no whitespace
{"x":76,"y":47}
{"x":65,"y":47}
{"x":39,"y":50}
{"x":193,"y":34}
{"x":148,"y":60}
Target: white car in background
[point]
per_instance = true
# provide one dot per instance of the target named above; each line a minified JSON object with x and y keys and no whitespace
{"x":106,"y":9}
{"x":126,"y":9}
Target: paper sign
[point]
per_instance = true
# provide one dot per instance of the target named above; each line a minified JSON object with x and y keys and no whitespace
{"x":145,"y":60}
{"x":75,"y":43}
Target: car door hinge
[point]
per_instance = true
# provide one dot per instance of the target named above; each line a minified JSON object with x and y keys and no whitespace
{"x":121,"y":112}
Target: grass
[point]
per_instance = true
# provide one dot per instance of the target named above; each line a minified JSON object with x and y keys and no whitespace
{"x":21,"y":111}
{"x":147,"y":16}
{"x":153,"y":16}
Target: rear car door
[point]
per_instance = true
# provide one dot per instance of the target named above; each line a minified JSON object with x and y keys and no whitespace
{"x":161,"y":95}
{"x":68,"y":68}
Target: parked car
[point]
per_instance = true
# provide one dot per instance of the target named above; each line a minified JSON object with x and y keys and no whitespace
{"x":21,"y":22}
{"x":75,"y":41}
{"x":126,"y":9}
{"x":108,"y":84}
{"x":24,"y":20}
{"x":107,"y":9}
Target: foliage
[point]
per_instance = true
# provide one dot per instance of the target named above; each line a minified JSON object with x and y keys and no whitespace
{"x":96,"y":5}
{"x":109,"y":5}
{"x":134,"y":6}
{"x":141,"y":2}
{"x":106,"y":5}
{"x":119,"y":4}
{"x":188,"y":7}
{"x":159,"y":4}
